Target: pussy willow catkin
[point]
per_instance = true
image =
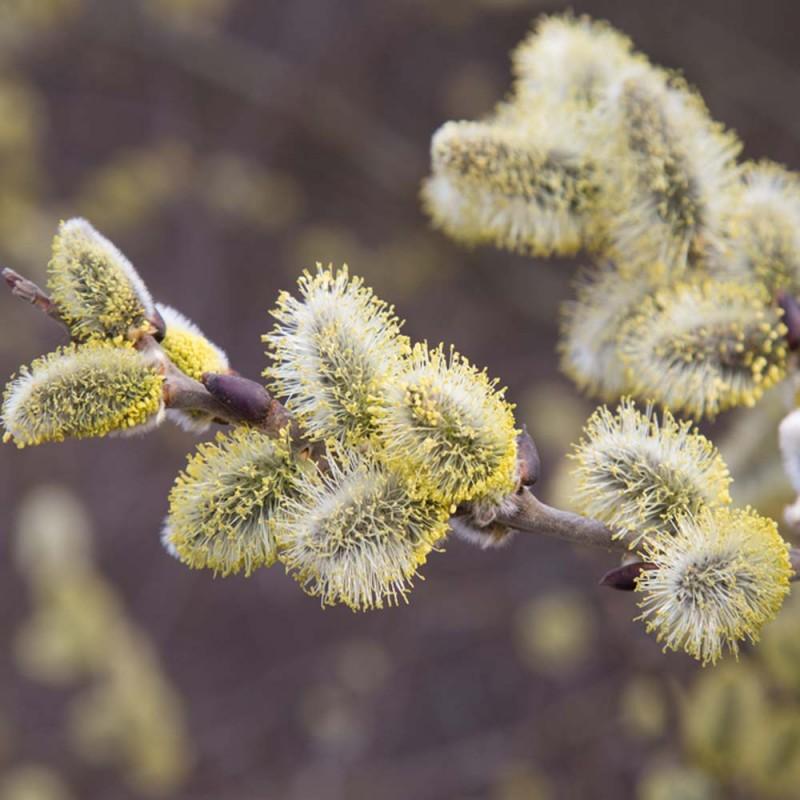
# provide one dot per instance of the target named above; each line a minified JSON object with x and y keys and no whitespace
{"x":335,"y":349}
{"x":704,"y":346}
{"x":78,"y":392}
{"x":97,"y":291}
{"x":449,"y":430}
{"x":222,"y":506}
{"x":761,"y":231}
{"x":596,"y":149}
{"x":519,"y":187}
{"x":639,"y":474}
{"x":590,"y":328}
{"x":195,"y":355}
{"x":715,"y":582}
{"x":356,"y":535}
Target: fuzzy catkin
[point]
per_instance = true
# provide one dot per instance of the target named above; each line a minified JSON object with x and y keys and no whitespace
{"x":639,"y":474}
{"x":96,"y":289}
{"x":761,"y":229}
{"x":194,"y":354}
{"x":675,"y":167}
{"x":704,"y":346}
{"x":516,"y":189}
{"x":355,"y":535}
{"x":222,"y":506}
{"x":449,"y":430}
{"x":188,"y":347}
{"x":570,"y":61}
{"x":590,"y":327}
{"x":82,"y":391}
{"x":716,"y":581}
{"x":335,"y":349}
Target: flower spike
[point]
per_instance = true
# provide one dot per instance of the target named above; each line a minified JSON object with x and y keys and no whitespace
{"x":222,"y":507}
{"x":355,"y":535}
{"x":570,"y":61}
{"x":705,"y":346}
{"x":523,"y":190}
{"x":590,"y":327}
{"x":192,"y":353}
{"x":639,"y":475}
{"x":761,"y":235}
{"x":78,"y":392}
{"x":676,"y":167}
{"x":715,"y":582}
{"x":335,"y":350}
{"x":97,"y":291}
{"x":449,"y":430}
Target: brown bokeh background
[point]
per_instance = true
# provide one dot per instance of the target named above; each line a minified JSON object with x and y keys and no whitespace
{"x":224,"y":145}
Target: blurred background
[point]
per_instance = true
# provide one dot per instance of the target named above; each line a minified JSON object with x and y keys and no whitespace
{"x":224,"y":145}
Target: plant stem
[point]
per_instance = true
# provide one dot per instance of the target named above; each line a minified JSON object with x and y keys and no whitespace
{"x":29,"y":292}
{"x":533,"y":516}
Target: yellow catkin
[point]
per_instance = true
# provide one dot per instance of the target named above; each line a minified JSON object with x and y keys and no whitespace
{"x":515,"y":188}
{"x":447,"y":427}
{"x":590,"y":326}
{"x":188,"y":348}
{"x":222,"y":506}
{"x":716,"y":581}
{"x":704,"y":346}
{"x":571,"y":61}
{"x":675,"y":167}
{"x":761,"y":234}
{"x":334,"y":351}
{"x":82,"y":391}
{"x":96,"y":289}
{"x":639,"y":474}
{"x":355,"y":535}
{"x":194,"y":354}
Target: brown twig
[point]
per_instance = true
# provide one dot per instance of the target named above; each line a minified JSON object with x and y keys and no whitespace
{"x":228,"y":399}
{"x":29,"y":292}
{"x":533,"y":516}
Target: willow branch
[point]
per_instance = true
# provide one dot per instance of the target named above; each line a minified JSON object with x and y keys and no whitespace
{"x":228,"y":399}
{"x":533,"y":516}
{"x":235,"y":400}
{"x":29,"y":292}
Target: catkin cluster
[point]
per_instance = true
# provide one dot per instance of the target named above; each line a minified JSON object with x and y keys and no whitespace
{"x":102,"y":383}
{"x":409,"y":434}
{"x":712,"y":575}
{"x":598,"y":150}
{"x":389,"y":443}
{"x":384,"y":440}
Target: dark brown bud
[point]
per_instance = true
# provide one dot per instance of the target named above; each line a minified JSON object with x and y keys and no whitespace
{"x":791,"y":318}
{"x":246,"y":399}
{"x":528,"y":457}
{"x":159,"y":326}
{"x":624,"y":578}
